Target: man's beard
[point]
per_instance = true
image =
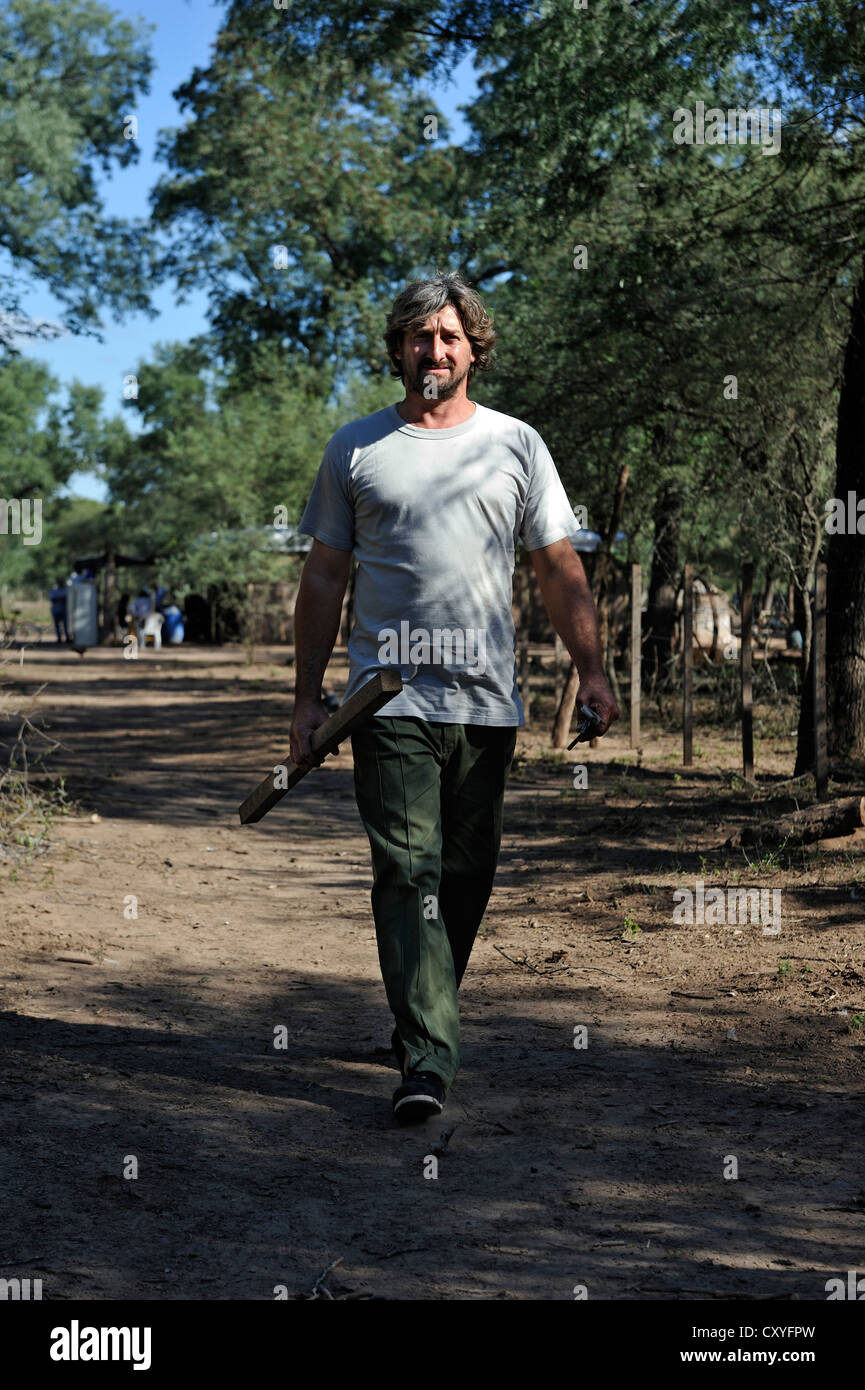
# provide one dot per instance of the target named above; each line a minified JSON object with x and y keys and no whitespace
{"x":446,"y":386}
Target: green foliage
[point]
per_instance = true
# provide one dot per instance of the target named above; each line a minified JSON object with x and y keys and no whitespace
{"x":307,"y":131}
{"x":697,"y":273}
{"x":29,"y":463}
{"x":329,"y":165}
{"x":705,"y":264}
{"x":44,"y":439}
{"x":225,"y":456}
{"x":68,"y":75}
{"x":632,"y":929}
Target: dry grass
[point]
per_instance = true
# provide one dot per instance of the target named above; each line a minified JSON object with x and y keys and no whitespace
{"x":27,"y":807}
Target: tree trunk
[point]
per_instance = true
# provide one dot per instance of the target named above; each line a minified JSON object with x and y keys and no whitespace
{"x":805,"y":735}
{"x":663,"y":578}
{"x":108,"y":629}
{"x":561,"y":664}
{"x":845,"y":598}
{"x":809,"y":550}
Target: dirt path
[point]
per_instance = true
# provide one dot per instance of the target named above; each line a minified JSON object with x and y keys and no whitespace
{"x":259,"y":1166}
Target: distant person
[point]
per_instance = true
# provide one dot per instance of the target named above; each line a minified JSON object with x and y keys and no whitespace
{"x":58,"y":610}
{"x":140,"y":607}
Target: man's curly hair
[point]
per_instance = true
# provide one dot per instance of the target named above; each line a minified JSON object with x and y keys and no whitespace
{"x":413,"y":306}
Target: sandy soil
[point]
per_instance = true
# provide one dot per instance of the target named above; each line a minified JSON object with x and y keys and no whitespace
{"x":258,"y":1166}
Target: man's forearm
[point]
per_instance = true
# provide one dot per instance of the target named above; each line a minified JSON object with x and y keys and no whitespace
{"x":572,"y":611}
{"x":316,"y":624}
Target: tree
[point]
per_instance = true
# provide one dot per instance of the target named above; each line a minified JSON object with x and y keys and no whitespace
{"x":732,"y":267}
{"x":69,"y":76}
{"x":301,"y":194}
{"x":700,"y":345}
{"x":845,"y":597}
{"x":217,"y":457}
{"x":44,"y":439}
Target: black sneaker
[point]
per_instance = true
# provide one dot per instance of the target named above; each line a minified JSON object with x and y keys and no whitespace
{"x":421,"y":1096}
{"x":398,"y":1051}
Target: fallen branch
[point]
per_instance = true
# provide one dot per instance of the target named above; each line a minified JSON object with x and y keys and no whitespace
{"x":440,"y":1148}
{"x":823,"y":821}
{"x":318,"y":1287}
{"x":526,"y":964}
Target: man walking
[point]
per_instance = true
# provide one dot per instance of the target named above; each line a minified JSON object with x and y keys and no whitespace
{"x":433,"y":495}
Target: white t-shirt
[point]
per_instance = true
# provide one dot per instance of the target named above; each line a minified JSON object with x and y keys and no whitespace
{"x":434,"y":518}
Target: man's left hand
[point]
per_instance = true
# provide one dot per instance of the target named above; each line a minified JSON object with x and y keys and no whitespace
{"x":597,"y":695}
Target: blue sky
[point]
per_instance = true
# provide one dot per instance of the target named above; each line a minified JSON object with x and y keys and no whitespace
{"x":182,"y":39}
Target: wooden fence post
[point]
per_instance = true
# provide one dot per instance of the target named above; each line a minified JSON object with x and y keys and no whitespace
{"x":818,"y":666}
{"x":746,"y":666}
{"x":636,"y":637}
{"x":688,"y":668}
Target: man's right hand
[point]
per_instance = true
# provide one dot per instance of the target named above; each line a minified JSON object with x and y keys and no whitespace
{"x":308,"y":716}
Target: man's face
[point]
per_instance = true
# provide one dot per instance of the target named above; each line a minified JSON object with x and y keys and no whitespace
{"x":436,"y":357}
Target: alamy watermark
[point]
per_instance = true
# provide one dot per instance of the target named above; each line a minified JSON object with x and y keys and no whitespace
{"x":20,"y":1290}
{"x":717,"y":906}
{"x":459,"y":647}
{"x":754,"y":125}
{"x":21,"y":517}
{"x":77,"y":1343}
{"x":854,"y":1288}
{"x":845,"y":519}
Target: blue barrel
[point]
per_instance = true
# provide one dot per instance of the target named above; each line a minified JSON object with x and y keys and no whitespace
{"x":172,"y":628}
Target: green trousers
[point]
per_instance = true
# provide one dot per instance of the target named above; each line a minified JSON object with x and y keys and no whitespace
{"x":431,"y":798}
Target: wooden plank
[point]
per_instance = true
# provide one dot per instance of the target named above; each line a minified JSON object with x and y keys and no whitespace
{"x":636,"y":640}
{"x":746,"y":666}
{"x":818,"y":665}
{"x":688,"y":668}
{"x":326,"y":739}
